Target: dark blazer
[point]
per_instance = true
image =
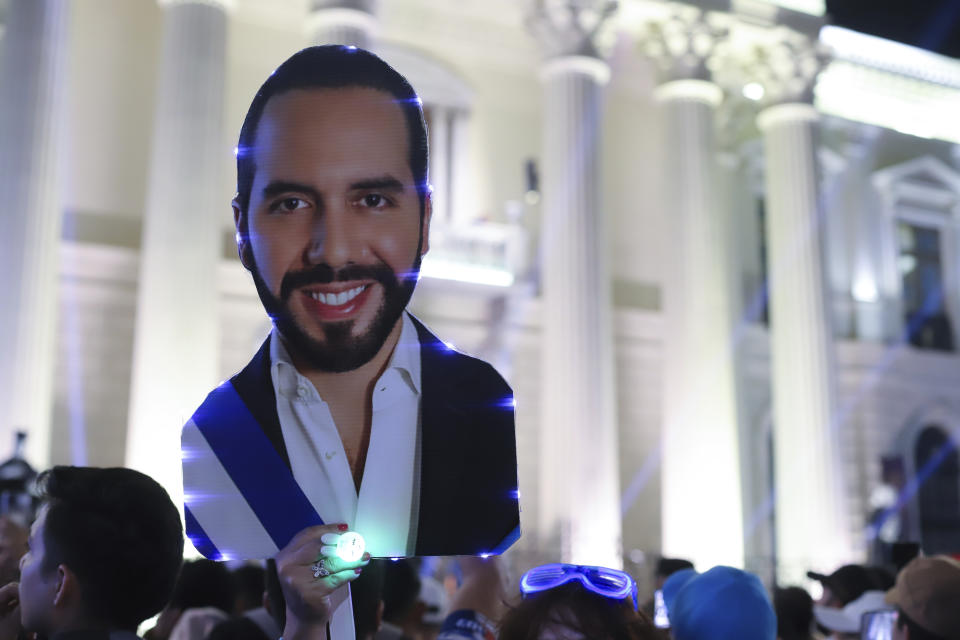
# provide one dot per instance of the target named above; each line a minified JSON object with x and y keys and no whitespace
{"x":468,"y":475}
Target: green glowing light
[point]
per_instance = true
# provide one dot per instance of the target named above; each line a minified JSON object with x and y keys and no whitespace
{"x":350,"y":546}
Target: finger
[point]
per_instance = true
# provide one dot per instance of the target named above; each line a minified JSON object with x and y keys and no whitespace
{"x":10,"y":593}
{"x":311,"y":534}
{"x":335,"y":564}
{"x":337,"y":580}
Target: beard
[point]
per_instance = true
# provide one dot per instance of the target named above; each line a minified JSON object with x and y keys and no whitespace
{"x":341,"y":350}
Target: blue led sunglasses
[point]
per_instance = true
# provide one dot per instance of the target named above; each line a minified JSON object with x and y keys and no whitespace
{"x":609,"y":583}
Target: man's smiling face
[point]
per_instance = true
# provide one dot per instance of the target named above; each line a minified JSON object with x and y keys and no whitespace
{"x":334,"y":222}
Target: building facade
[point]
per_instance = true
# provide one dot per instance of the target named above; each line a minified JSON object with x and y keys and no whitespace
{"x":714,"y":247}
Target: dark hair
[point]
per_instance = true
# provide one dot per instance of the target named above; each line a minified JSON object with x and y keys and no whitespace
{"x":915,"y":630}
{"x":119,"y":532}
{"x":204,"y":583}
{"x":794,"y":609}
{"x":401,"y":588}
{"x":334,"y":67}
{"x":367,"y":593}
{"x":571,"y":605}
{"x":238,"y":628}
{"x":278,"y":605}
{"x":248,"y":581}
{"x":666,"y":567}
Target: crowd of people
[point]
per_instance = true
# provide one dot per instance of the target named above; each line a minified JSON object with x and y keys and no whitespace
{"x":104,"y":554}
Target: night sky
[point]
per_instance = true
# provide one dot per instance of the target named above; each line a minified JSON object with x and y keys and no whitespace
{"x":930,"y":24}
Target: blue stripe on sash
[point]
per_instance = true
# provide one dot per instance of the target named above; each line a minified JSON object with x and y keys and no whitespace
{"x":254,"y":466}
{"x":512,"y":537}
{"x":199,"y":538}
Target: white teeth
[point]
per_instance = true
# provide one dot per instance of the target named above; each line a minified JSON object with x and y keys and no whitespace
{"x":337,"y":299}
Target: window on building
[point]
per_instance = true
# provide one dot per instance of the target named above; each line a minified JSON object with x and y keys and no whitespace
{"x":919,"y":263}
{"x":938,"y":476}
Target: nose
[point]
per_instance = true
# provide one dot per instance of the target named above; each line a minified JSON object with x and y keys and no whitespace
{"x":332,"y":238}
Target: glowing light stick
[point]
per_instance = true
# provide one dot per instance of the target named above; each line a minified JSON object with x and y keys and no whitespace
{"x":350,"y":546}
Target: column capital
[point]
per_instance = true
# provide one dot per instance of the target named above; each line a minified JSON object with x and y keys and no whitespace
{"x":698,"y":90}
{"x":682,"y":41}
{"x":784,"y":63}
{"x":570,"y":29}
{"x":226,"y":5}
{"x":786,"y":112}
{"x":368,"y":7}
{"x":593,"y":67}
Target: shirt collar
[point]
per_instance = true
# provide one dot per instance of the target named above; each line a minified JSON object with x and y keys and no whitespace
{"x":405,"y":360}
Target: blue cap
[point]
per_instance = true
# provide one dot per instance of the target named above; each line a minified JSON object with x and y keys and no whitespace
{"x":722,"y":604}
{"x":673,"y":584}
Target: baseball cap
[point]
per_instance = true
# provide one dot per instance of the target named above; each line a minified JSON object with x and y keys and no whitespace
{"x":673,"y":584}
{"x":848,"y":619}
{"x":847,"y":583}
{"x":722,"y":604}
{"x":928,"y":590}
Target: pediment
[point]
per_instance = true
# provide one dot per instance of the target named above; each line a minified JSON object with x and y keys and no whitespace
{"x":926,"y":172}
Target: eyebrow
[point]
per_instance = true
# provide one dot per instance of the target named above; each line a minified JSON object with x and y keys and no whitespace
{"x":382,"y":183}
{"x":277,"y":187}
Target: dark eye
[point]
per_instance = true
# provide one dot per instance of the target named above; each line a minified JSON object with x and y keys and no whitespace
{"x":289,"y":204}
{"x":373,"y":200}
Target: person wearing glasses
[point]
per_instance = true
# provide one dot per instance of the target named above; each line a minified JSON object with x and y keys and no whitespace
{"x":574,"y":602}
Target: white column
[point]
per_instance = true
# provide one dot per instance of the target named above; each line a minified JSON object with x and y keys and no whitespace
{"x":440,"y":120}
{"x":811,"y":529}
{"x":175,"y":360}
{"x":348,"y":22}
{"x":579,"y":495}
{"x":31,"y":92}
{"x":700,"y":476}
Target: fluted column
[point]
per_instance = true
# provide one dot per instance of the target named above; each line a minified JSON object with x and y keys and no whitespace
{"x":579,"y":496}
{"x":348,"y":22}
{"x":32,"y":59}
{"x":811,"y":528}
{"x":700,"y":419}
{"x":175,"y":360}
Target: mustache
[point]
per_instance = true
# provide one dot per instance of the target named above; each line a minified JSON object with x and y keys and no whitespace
{"x":325,"y":274}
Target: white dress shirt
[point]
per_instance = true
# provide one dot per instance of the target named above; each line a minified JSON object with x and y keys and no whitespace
{"x":386,"y":509}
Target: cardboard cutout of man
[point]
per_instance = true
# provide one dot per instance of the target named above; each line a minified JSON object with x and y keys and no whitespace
{"x":352,"y":410}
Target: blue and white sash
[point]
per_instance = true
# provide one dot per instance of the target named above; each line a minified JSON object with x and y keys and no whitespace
{"x":241,"y":500}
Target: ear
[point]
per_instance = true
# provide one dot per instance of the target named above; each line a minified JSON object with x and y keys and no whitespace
{"x":425,"y":226}
{"x":241,"y":223}
{"x":67,"y":588}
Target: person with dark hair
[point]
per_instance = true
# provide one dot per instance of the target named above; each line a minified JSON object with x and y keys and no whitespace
{"x":201,"y":584}
{"x":237,"y":628}
{"x":352,"y":410}
{"x":575,"y":602}
{"x":104,"y":555}
{"x":665,"y":568}
{"x":794,"y":609}
{"x":401,"y":592}
{"x":248,"y":581}
{"x":927,"y":598}
{"x":844,"y":585}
